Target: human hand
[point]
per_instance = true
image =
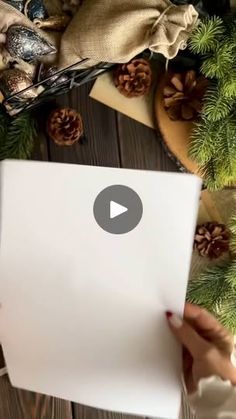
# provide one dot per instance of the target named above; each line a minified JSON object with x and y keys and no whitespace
{"x":207,"y":346}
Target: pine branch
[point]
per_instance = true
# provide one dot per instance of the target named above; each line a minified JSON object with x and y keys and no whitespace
{"x":219,"y":63}
{"x":226,"y":313}
{"x":210,"y":288}
{"x":210,"y":173}
{"x":17,"y":142}
{"x":215,"y":290}
{"x":216,"y":106}
{"x":206,"y":36}
{"x":4,"y":122}
{"x":226,"y":152}
{"x":205,"y":138}
{"x":228,"y":85}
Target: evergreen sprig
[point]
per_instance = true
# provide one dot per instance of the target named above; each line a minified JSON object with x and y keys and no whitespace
{"x":215,"y":288}
{"x":17,"y":135}
{"x":213,"y":144}
{"x":207,"y":35}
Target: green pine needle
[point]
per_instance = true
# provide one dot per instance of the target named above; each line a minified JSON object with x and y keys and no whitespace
{"x":216,"y":106}
{"x":219,"y":63}
{"x":213,"y":144}
{"x":210,"y":288}
{"x":214,"y":291}
{"x":227,"y":85}
{"x":206,"y":36}
{"x":204,"y":140}
{"x":16,"y":136}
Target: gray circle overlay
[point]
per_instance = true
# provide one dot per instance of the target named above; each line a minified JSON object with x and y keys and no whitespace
{"x":122,"y":195}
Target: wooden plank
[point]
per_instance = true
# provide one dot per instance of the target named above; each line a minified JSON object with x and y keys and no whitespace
{"x":101,"y":147}
{"x":83,"y":412}
{"x":20,"y":404}
{"x":140,"y":147}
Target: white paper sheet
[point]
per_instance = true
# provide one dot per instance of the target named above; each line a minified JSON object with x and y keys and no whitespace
{"x":82,"y":310}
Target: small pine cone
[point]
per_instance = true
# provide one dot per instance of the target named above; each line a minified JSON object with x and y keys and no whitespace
{"x":65,"y":126}
{"x":212,"y":239}
{"x":134,"y":78}
{"x":183,"y":94}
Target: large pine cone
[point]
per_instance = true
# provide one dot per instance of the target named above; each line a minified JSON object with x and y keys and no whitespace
{"x":65,"y":126}
{"x":183,"y":95}
{"x":134,"y":78}
{"x":212,"y":239}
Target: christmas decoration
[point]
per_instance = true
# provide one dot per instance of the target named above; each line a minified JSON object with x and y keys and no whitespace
{"x":16,"y":135}
{"x":212,"y":239}
{"x":14,"y":81}
{"x":18,"y":4}
{"x":214,"y":138}
{"x":35,"y":9}
{"x":215,"y":288}
{"x":183,"y":95}
{"x":134,"y":78}
{"x":25,"y":43}
{"x":48,"y":73}
{"x":65,"y":126}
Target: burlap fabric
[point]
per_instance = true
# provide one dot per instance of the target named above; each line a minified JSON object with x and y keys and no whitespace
{"x":117,"y":30}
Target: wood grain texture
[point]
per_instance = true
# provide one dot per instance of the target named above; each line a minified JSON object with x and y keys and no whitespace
{"x":83,"y":412}
{"x":20,"y":404}
{"x":101,"y":147}
{"x":140,"y":147}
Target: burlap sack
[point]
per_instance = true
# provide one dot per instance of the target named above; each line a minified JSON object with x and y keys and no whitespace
{"x":11,"y":16}
{"x":117,"y":30}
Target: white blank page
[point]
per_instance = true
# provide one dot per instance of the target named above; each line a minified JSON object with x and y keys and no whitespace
{"x":82,"y":310}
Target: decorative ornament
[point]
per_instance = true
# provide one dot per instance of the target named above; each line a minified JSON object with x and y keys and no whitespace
{"x":183,"y":95}
{"x":134,"y":78}
{"x":25,"y":43}
{"x":35,"y":9}
{"x":53,"y":23}
{"x":18,"y":4}
{"x":54,"y":80}
{"x":65,"y":126}
{"x":212,"y":239}
{"x":14,"y":81}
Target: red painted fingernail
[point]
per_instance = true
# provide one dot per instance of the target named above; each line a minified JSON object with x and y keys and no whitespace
{"x":169,"y":314}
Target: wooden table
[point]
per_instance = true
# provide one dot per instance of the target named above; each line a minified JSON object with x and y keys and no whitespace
{"x":112,"y":140}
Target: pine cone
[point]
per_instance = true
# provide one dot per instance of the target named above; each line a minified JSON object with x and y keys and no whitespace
{"x":183,"y":95}
{"x":65,"y":126}
{"x":212,"y":239}
{"x":134,"y":78}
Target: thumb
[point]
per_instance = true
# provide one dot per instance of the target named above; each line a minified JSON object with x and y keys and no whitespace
{"x":186,"y":335}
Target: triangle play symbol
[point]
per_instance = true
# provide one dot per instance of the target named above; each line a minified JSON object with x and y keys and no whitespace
{"x":116,"y":209}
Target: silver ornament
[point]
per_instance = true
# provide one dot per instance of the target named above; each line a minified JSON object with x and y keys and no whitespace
{"x":18,"y":4}
{"x":25,"y":43}
{"x":14,"y":81}
{"x":55,"y":80}
{"x":35,"y":9}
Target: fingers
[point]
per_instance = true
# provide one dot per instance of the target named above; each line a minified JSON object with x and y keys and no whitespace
{"x":201,"y":317}
{"x":208,"y":326}
{"x":186,"y":335}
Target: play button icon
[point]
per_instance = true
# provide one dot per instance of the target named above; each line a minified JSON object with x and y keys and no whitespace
{"x":118,"y":209}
